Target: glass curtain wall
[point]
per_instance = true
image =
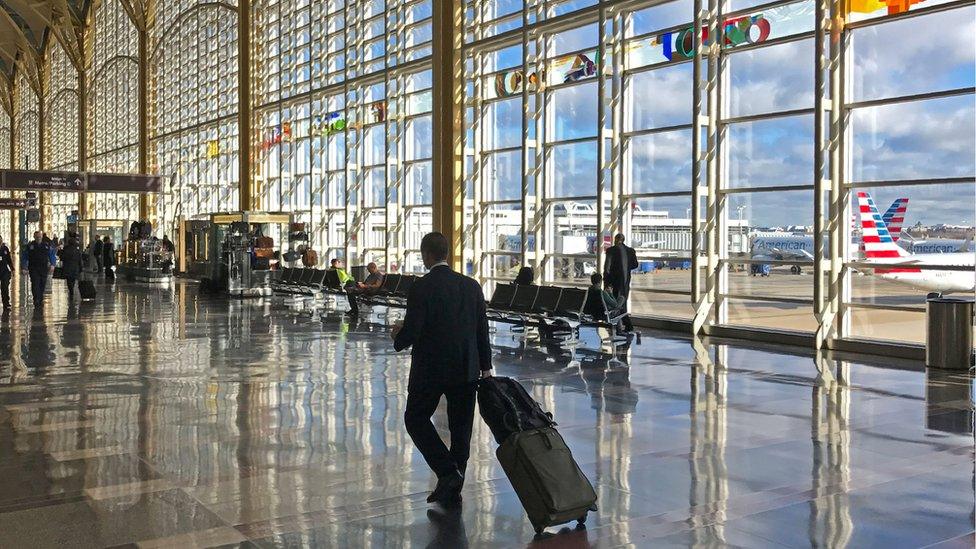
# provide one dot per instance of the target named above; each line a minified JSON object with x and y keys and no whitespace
{"x":765,"y":165}
{"x":566,"y":145}
{"x":193,"y":108}
{"x":6,"y":162}
{"x":910,"y":107}
{"x":27,"y":125}
{"x":341,"y":95}
{"x":61,"y":137}
{"x":113,"y":106}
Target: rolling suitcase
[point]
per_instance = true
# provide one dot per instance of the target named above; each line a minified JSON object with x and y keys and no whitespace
{"x":549,"y":483}
{"x":552,"y":488}
{"x":87,"y":289}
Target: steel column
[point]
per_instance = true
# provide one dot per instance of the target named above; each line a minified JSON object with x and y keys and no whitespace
{"x":249,"y":197}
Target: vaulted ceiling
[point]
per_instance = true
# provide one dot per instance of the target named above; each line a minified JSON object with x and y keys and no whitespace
{"x":27,"y":25}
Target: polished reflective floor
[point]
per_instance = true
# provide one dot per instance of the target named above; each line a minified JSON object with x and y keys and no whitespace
{"x":157,"y":417}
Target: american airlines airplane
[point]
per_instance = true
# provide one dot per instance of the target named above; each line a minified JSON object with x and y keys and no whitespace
{"x":903,"y":267}
{"x":799,"y":247}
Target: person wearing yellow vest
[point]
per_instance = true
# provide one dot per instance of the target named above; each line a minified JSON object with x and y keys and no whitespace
{"x":347,"y":281}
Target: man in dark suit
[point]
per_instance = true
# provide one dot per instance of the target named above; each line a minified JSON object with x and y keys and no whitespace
{"x":71,"y":266}
{"x":38,"y":262}
{"x":447,"y":326}
{"x":6,"y":271}
{"x":621,"y":260}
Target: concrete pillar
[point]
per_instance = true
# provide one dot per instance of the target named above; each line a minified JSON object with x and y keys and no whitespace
{"x":448,"y":116}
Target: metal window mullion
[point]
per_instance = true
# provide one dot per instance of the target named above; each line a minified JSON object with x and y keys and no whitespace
{"x":601,"y":114}
{"x":480,"y":234}
{"x":616,"y":141}
{"x":543,"y":225}
{"x":840,"y":132}
{"x":696,"y":158}
{"x":390,"y":144}
{"x":720,"y":202}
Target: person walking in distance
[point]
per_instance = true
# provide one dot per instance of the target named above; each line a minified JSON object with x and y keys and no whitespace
{"x":108,"y":257}
{"x":621,"y":260}
{"x":96,"y":250}
{"x":71,"y":266}
{"x":447,"y":326}
{"x":6,"y":271}
{"x":37,"y":263}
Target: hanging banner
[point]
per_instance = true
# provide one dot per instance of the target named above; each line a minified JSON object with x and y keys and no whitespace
{"x":124,"y":183}
{"x":32,"y":180}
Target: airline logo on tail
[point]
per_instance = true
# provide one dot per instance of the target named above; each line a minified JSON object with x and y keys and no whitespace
{"x":894,"y":218}
{"x":875,"y":237}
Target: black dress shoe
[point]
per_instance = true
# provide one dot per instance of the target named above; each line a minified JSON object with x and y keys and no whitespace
{"x":448,"y":489}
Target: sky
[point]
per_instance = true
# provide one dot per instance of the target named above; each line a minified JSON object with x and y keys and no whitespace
{"x":915,"y":140}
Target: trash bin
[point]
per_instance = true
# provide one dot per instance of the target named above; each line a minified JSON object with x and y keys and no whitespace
{"x":949,"y":341}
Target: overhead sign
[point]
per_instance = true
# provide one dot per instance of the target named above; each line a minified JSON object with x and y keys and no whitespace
{"x":124,"y":183}
{"x":13,"y":204}
{"x":31,"y":180}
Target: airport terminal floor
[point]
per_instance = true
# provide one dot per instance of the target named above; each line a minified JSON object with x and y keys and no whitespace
{"x":158,"y":417}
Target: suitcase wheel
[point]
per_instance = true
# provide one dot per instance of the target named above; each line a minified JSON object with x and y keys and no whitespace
{"x":581,"y":523}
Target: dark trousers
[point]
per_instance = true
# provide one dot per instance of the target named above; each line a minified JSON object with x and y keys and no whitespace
{"x":421,"y":405}
{"x":38,"y":281}
{"x":353,"y":302}
{"x":351,"y":295}
{"x":620,"y":294}
{"x":98,"y":262}
{"x":5,"y":291}
{"x":71,"y":281}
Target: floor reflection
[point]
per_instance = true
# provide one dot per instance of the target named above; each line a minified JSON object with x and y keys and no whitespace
{"x":157,"y":415}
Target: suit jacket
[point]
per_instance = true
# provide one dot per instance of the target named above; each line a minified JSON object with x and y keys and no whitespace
{"x":447,"y":326}
{"x":616,"y":268}
{"x":71,"y":262}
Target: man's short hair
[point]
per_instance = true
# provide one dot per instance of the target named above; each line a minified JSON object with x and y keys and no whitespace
{"x":371,"y":265}
{"x":619,"y":237}
{"x":596,"y":279}
{"x":334,"y":261}
{"x":435,"y":246}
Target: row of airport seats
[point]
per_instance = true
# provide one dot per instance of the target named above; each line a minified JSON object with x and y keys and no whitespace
{"x":311,"y":282}
{"x":527,"y":304}
{"x":393,"y":292}
{"x":304,"y":281}
{"x":515,"y":303}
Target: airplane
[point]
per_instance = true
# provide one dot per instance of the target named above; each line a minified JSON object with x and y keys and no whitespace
{"x":937,"y":245}
{"x":799,"y":247}
{"x":898,"y":265}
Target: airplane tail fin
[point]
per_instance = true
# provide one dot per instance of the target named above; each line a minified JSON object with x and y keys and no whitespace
{"x":894,"y":217}
{"x":877,"y":241}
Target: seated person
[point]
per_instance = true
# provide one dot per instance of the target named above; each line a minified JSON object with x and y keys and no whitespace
{"x":596,"y":285}
{"x":373,"y":282}
{"x":348,"y":282}
{"x":525,"y":276}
